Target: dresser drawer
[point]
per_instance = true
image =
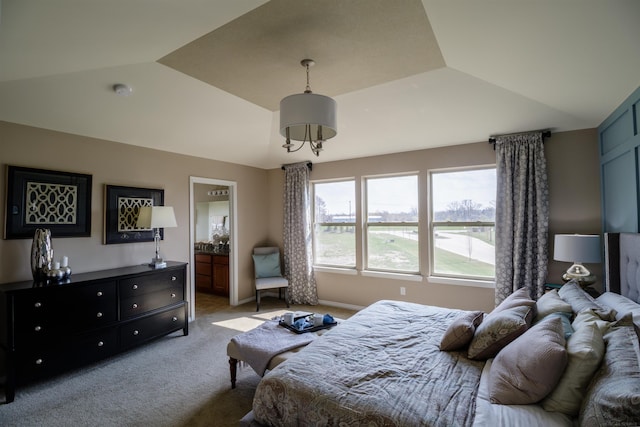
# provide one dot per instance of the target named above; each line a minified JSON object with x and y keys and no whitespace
{"x":148,"y":283}
{"x":46,"y":315}
{"x":135,"y":306}
{"x":42,"y":361}
{"x":139,"y":331}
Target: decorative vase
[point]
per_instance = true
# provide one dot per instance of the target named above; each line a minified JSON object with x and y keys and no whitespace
{"x":41,"y":254}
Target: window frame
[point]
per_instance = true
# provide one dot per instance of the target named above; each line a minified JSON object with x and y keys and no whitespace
{"x":448,"y":278}
{"x":366,"y":224}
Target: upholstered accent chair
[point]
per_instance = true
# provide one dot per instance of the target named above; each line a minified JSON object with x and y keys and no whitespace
{"x":268,"y":273}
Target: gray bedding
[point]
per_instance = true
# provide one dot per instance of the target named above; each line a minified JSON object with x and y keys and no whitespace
{"x":381,"y":368}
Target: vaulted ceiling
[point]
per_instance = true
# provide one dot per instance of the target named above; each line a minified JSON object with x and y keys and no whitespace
{"x":207,"y":76}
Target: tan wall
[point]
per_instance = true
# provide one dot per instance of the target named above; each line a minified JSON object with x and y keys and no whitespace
{"x":120,"y":164}
{"x":574,"y":191}
{"x":574,"y":199}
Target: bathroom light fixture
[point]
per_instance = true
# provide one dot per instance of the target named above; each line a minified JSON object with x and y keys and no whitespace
{"x":157,"y":217}
{"x":307,"y":117}
{"x":577,"y":248}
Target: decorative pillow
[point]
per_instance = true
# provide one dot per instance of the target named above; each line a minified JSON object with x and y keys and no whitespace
{"x":497,"y":330}
{"x":613,"y":397}
{"x":516,"y":299}
{"x":567,"y":329}
{"x":572,"y":293}
{"x":590,"y":317}
{"x":460,"y":331}
{"x":585,"y":349}
{"x":549,"y":303}
{"x":527,"y":369}
{"x":267,"y":265}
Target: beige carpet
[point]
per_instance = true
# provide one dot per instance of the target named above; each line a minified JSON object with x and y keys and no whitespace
{"x":174,"y":381}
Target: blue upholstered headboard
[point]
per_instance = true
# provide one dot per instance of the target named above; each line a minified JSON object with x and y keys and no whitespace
{"x":622,"y":264}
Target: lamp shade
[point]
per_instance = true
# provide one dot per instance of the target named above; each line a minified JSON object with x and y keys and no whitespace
{"x":156,"y":217}
{"x":303,"y":109}
{"x":582,"y":248}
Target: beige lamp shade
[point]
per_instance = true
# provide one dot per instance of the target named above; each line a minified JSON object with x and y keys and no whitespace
{"x":156,"y":217}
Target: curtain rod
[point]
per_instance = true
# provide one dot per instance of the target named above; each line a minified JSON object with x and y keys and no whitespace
{"x":309,"y":165}
{"x":545,"y":134}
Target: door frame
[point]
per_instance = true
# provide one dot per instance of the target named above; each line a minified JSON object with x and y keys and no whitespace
{"x":233,"y":233}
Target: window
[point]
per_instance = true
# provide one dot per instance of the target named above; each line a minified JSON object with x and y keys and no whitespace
{"x":463,"y":218}
{"x":392,"y":224}
{"x":334,"y":222}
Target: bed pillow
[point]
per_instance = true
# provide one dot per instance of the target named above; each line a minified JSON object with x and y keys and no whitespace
{"x":267,"y":265}
{"x":565,"y":318}
{"x":572,"y":293}
{"x":613,"y":396}
{"x":528,"y":369}
{"x":518,"y":298}
{"x":585,"y":350}
{"x":497,"y":330}
{"x":460,"y":331}
{"x":590,"y":317}
{"x":622,"y":305}
{"x":549,"y":303}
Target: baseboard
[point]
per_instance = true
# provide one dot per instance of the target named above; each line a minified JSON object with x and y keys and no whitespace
{"x":341,"y":305}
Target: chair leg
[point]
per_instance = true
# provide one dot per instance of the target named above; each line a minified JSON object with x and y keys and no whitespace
{"x":257,"y":300}
{"x":286,"y":296}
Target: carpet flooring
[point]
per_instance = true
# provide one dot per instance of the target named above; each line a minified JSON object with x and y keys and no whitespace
{"x":173,"y":381}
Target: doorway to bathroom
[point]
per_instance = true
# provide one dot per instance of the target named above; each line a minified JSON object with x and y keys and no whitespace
{"x":212,"y":250}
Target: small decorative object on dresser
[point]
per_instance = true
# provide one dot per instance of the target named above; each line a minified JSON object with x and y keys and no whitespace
{"x":46,"y":329}
{"x":41,"y":254}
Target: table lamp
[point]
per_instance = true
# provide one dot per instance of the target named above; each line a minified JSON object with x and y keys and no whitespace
{"x":157,"y":217}
{"x":578,"y":249}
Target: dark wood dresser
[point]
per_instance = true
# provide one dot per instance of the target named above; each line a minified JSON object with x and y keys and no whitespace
{"x":46,"y":329}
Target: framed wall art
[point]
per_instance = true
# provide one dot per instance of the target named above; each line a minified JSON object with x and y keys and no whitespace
{"x":39,"y":198}
{"x":122,"y":205}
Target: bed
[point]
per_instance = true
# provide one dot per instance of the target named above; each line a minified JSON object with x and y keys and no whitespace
{"x":563,"y":360}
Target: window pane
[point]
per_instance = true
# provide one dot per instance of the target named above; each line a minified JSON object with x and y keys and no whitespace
{"x":335,"y":201}
{"x":464,"y":196}
{"x":464,"y":251}
{"x":392,"y":199}
{"x":334,"y":245}
{"x":393,"y":248}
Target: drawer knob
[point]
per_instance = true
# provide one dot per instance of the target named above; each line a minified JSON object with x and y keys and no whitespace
{"x":134,"y":306}
{"x":100,"y":343}
{"x":173,"y":295}
{"x":99,"y":293}
{"x":134,"y":287}
{"x":174,"y":318}
{"x":39,"y":361}
{"x":38,"y":328}
{"x":135,"y":332}
{"x":174,"y":278}
{"x":98,"y":314}
{"x":38,"y":304}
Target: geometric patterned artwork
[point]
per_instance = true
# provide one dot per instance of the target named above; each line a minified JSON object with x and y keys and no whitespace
{"x":48,"y":203}
{"x":128,"y":208}
{"x":121,"y":209}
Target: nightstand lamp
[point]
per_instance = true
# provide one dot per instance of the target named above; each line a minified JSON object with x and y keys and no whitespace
{"x":157,"y":217}
{"x":578,"y":249}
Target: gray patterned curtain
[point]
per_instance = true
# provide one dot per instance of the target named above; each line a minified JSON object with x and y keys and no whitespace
{"x":298,"y":262}
{"x":522,"y":215}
